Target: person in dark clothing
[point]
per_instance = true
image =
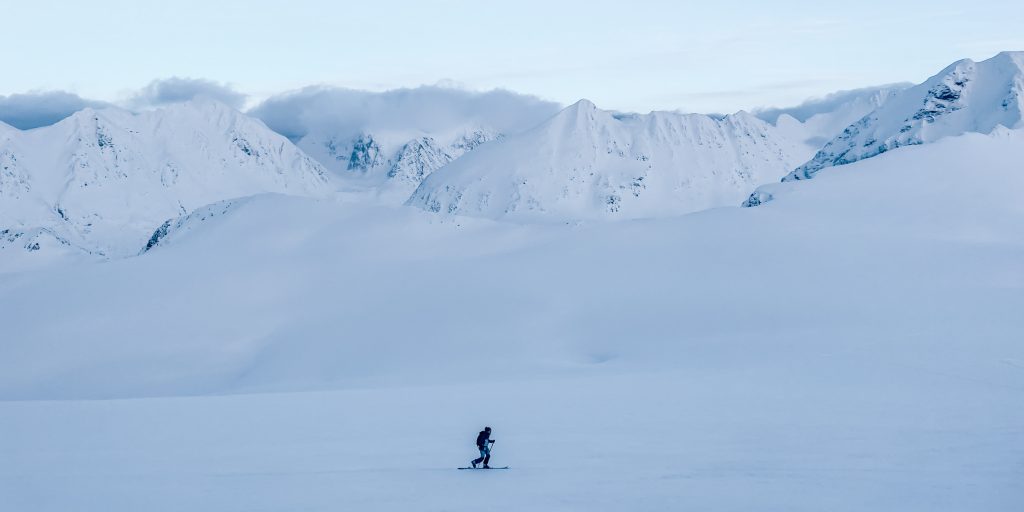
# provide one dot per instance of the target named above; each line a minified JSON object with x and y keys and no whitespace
{"x":483,"y":443}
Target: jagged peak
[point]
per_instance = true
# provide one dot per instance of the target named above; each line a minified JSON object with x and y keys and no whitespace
{"x":959,"y":64}
{"x":203,"y":113}
{"x":583,"y":112}
{"x":88,"y":114}
{"x":86,"y":122}
{"x":583,"y":105}
{"x":744,"y":116}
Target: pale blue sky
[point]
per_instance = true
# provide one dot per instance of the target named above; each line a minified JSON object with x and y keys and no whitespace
{"x":698,"y":56}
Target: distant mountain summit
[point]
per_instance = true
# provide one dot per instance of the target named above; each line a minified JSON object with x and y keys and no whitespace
{"x":965,"y":97}
{"x":102,"y":180}
{"x":589,"y":163}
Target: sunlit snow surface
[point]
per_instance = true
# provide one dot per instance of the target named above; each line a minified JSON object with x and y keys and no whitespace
{"x":853,"y":345}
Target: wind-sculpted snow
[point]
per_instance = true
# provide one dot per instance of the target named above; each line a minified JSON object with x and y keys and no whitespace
{"x":586,"y":163}
{"x":965,"y":97}
{"x":103,"y":180}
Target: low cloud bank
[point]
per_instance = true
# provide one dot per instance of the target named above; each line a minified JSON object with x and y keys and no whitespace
{"x":176,"y":90}
{"x":427,"y":108}
{"x":828,"y":103}
{"x":43,"y":108}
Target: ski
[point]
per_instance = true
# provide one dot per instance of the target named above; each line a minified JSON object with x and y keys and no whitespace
{"x":502,"y":467}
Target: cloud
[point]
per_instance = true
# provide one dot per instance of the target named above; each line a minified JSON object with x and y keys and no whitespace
{"x":332,"y":110}
{"x":43,"y":108}
{"x":430,"y":109}
{"x":176,"y":90}
{"x":828,"y":103}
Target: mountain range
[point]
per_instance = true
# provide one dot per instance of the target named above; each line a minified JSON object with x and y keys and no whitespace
{"x":588,"y":163}
{"x":104,"y":182}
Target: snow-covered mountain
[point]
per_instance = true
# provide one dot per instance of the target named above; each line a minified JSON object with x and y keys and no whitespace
{"x":103,"y":180}
{"x":383,"y":144}
{"x":965,"y":97}
{"x":589,"y":163}
{"x":393,"y":161}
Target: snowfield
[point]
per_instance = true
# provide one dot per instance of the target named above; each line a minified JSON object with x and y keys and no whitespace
{"x":853,"y":345}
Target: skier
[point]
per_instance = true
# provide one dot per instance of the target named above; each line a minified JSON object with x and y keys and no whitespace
{"x":483,"y":443}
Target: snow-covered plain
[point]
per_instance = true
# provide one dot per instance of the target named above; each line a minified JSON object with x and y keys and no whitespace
{"x":853,"y":345}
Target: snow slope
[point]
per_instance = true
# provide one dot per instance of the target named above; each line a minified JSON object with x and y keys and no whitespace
{"x":817,"y":353}
{"x":965,"y":97}
{"x":101,"y":181}
{"x":587,"y":163}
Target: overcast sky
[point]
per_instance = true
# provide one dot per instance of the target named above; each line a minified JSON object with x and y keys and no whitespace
{"x":708,"y":56}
